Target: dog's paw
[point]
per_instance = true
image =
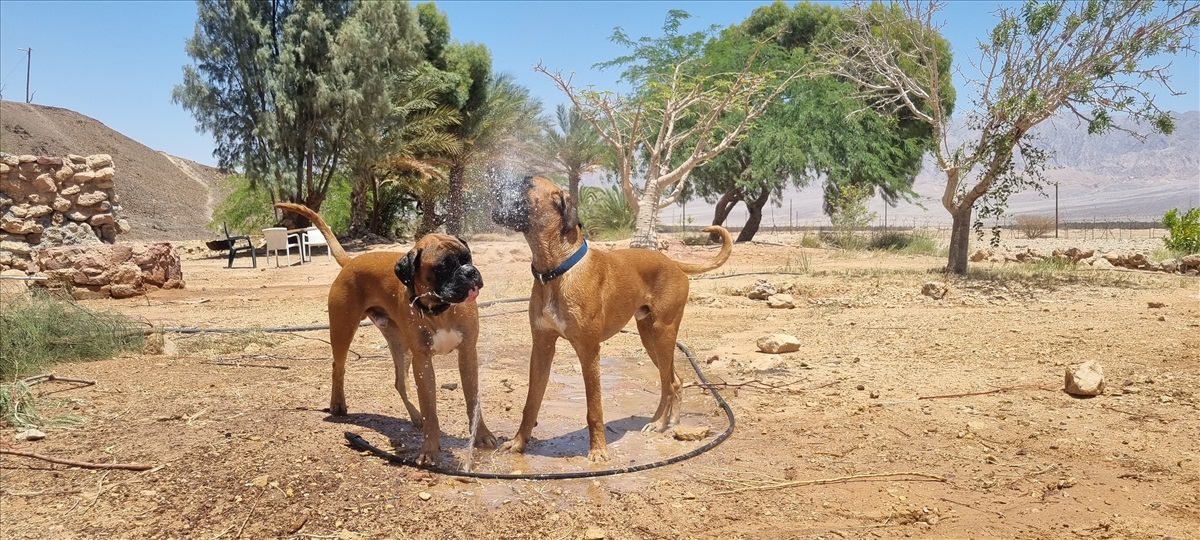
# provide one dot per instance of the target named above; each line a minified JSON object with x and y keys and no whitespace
{"x":484,"y":438}
{"x":598,"y":455}
{"x":515,"y":446}
{"x":430,"y":455}
{"x":338,"y":409}
{"x":655,"y":427}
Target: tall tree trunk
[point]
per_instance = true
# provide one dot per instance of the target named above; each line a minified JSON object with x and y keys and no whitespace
{"x":429,"y":221}
{"x":754,"y":219}
{"x":960,"y":240}
{"x":359,"y":211}
{"x":573,"y":179}
{"x":455,"y":199}
{"x":725,"y":206}
{"x":645,"y":235}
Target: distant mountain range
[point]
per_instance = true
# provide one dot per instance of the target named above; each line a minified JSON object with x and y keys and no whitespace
{"x":1112,"y":176}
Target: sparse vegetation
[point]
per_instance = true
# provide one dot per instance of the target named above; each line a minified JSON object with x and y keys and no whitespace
{"x":44,"y":329}
{"x":1034,"y":226}
{"x":605,"y":214}
{"x":905,"y":243}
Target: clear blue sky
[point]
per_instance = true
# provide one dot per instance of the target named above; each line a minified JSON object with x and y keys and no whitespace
{"x":118,"y":61}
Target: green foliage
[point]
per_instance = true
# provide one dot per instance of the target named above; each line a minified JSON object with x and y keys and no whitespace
{"x":1183,"y":231}
{"x":19,"y":409}
{"x":849,"y":207}
{"x":905,"y":243}
{"x":605,"y":213}
{"x":246,"y":208}
{"x":44,"y":329}
{"x":336,"y":210}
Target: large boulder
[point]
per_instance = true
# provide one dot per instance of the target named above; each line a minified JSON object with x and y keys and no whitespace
{"x":118,"y":270}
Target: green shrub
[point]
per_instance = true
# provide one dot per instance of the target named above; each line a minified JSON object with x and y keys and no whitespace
{"x":247,"y":208}
{"x":604,"y":213}
{"x":906,"y":243}
{"x":44,"y":329}
{"x":1183,"y":232}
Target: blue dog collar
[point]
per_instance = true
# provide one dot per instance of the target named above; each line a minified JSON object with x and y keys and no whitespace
{"x":562,"y":268}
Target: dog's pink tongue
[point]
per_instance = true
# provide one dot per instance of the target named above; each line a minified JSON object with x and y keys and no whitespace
{"x":472,"y":294}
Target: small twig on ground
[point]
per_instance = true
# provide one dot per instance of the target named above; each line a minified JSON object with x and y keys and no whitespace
{"x":72,"y":463}
{"x":972,"y":507}
{"x":782,"y":485}
{"x":755,"y":384}
{"x":248,"y":514}
{"x":994,"y":391}
{"x":47,"y":377}
{"x":239,"y":364}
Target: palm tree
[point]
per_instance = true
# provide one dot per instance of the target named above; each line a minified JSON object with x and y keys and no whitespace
{"x":411,"y":149}
{"x":573,"y":149}
{"x":502,"y":130}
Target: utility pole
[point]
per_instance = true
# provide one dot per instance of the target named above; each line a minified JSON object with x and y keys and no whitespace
{"x":28,"y":57}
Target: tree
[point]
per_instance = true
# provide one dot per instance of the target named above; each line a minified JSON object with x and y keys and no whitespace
{"x":677,"y":116}
{"x":1090,"y":59}
{"x":573,"y":149}
{"x":815,"y":130}
{"x":259,"y":87}
{"x":293,"y":90}
{"x":378,"y":53}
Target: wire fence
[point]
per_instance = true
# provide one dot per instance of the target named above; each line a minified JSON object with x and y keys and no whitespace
{"x":1075,"y":226}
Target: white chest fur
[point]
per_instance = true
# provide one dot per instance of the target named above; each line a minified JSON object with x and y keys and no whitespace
{"x":551,"y":319}
{"x":444,"y":341}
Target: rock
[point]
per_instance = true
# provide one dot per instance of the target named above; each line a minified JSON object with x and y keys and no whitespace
{"x":979,"y":255}
{"x":691,"y":433}
{"x":31,"y":434}
{"x":425,"y":495}
{"x":1086,"y":379}
{"x":450,"y":386}
{"x":594,"y":533}
{"x":934,"y":290}
{"x":762,"y":290}
{"x":781,"y":301}
{"x":1102,"y":264}
{"x":778,"y":343}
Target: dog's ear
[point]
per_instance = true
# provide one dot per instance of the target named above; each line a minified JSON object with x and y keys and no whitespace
{"x":567,"y":211}
{"x":464,"y":242}
{"x":406,"y":268}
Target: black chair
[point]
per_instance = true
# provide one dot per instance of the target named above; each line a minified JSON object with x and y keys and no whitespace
{"x":234,"y":248}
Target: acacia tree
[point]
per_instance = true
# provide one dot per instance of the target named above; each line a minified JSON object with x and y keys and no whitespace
{"x":677,"y":116}
{"x":1090,"y":59}
{"x":815,"y":130}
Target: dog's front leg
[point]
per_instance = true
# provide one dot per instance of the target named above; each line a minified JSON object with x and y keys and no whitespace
{"x":468,"y":373}
{"x":540,"y":357}
{"x":589,"y":363}
{"x":423,"y":376}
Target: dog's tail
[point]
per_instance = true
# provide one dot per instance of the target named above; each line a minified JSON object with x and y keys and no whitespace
{"x":715,"y":262}
{"x":335,"y":248}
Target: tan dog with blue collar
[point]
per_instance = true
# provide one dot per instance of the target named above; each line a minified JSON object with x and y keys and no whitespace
{"x":422,"y":302}
{"x":588,"y":296}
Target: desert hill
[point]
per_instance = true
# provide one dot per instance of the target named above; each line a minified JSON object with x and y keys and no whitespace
{"x":162,"y":196}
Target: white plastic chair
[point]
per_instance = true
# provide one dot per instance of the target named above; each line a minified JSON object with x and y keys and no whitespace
{"x":313,"y":237}
{"x":278,"y":239}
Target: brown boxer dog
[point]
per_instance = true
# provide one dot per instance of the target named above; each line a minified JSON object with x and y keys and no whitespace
{"x":423,"y":303}
{"x":587,"y":296}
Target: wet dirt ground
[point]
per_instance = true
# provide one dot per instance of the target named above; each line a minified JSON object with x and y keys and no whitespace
{"x":900,"y":416}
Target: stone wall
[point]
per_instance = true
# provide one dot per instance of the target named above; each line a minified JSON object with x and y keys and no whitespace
{"x":48,"y":201}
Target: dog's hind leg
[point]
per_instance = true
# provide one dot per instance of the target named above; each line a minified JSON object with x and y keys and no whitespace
{"x":658,"y":337}
{"x":341,"y":334}
{"x":401,"y":359}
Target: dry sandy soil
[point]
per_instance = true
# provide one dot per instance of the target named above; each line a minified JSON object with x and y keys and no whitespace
{"x":870,"y":430}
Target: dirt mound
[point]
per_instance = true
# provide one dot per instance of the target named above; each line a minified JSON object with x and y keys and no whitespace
{"x":163,"y":197}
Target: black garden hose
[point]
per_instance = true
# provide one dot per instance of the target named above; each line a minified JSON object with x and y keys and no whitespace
{"x":358,"y":442}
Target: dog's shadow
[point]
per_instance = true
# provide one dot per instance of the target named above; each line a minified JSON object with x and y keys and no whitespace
{"x":405,"y":438}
